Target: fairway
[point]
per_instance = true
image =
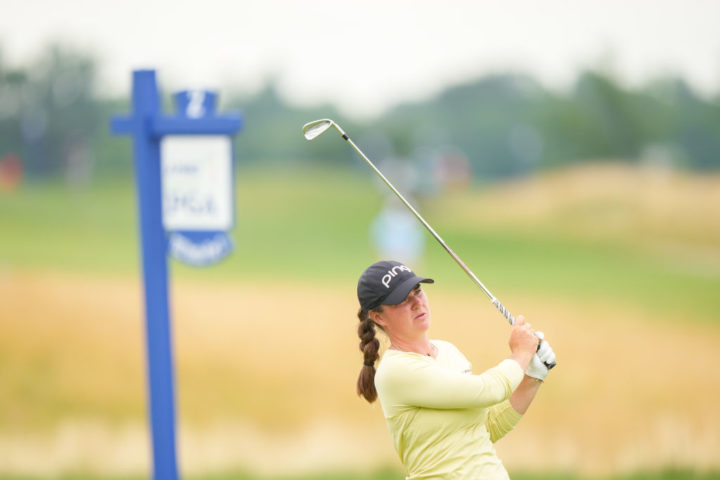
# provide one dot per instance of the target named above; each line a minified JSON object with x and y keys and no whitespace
{"x":265,"y":342}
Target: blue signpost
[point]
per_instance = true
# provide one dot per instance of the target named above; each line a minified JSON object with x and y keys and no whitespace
{"x":183,"y":165}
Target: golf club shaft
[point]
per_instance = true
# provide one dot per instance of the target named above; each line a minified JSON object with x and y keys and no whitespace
{"x":457,"y":259}
{"x":311,"y":130}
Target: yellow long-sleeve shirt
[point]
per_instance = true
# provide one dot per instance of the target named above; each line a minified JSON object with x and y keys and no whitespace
{"x":442,"y":418}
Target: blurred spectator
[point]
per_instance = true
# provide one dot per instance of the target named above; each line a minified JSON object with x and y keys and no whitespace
{"x":11,"y":172}
{"x":452,"y":170}
{"x":397,"y":234}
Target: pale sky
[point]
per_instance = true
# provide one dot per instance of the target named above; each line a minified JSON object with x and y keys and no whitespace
{"x":370,"y":55}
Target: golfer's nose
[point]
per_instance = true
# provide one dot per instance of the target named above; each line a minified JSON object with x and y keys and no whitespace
{"x":414,"y":300}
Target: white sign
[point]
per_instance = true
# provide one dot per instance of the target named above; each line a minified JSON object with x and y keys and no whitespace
{"x":197,"y":182}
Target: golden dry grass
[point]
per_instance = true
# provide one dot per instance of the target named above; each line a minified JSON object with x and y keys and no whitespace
{"x":266,"y":379}
{"x":663,"y":208}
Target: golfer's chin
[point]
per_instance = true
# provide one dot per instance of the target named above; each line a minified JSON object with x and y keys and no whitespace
{"x":422,"y":321}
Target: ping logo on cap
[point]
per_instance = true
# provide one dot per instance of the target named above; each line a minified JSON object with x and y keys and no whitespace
{"x":392,"y":273}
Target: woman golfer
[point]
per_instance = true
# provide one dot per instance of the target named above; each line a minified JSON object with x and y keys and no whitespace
{"x":442,"y":418}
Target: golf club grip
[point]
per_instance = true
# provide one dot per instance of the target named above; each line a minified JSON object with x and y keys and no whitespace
{"x":503,"y":310}
{"x":511,"y":319}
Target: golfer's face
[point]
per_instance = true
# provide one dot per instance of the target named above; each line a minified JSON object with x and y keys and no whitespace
{"x":410,"y":318}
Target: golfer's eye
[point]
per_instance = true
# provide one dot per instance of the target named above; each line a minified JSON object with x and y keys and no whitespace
{"x":416,"y":291}
{"x":413,"y":293}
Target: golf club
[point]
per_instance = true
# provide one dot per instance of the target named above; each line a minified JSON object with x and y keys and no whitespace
{"x":316,"y":128}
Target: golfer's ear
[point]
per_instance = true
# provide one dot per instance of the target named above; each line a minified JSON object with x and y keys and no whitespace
{"x":377,"y":318}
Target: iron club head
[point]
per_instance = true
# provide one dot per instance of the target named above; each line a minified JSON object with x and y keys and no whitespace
{"x":316,"y":128}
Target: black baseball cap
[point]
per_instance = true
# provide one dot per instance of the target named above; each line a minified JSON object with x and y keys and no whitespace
{"x":386,"y":283}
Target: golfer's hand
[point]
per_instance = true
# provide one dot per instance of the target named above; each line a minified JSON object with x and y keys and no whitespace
{"x":523,"y":342}
{"x":544,"y":356}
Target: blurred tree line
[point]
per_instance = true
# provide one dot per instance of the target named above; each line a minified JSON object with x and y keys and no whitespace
{"x":54,"y":119}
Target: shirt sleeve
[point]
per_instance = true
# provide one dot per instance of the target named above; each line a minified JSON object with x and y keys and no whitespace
{"x":501,"y":419}
{"x":415,"y":381}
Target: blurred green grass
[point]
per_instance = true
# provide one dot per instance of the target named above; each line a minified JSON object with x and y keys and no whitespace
{"x":313,"y":226}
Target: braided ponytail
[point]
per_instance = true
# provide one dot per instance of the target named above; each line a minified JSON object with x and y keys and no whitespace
{"x":369,"y":346}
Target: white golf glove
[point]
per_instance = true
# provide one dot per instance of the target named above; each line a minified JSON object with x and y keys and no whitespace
{"x":545,"y":354}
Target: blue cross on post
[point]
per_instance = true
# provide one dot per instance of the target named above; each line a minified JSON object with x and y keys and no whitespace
{"x":184,"y":173}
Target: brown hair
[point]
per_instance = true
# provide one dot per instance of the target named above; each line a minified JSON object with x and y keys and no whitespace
{"x":369,"y":346}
